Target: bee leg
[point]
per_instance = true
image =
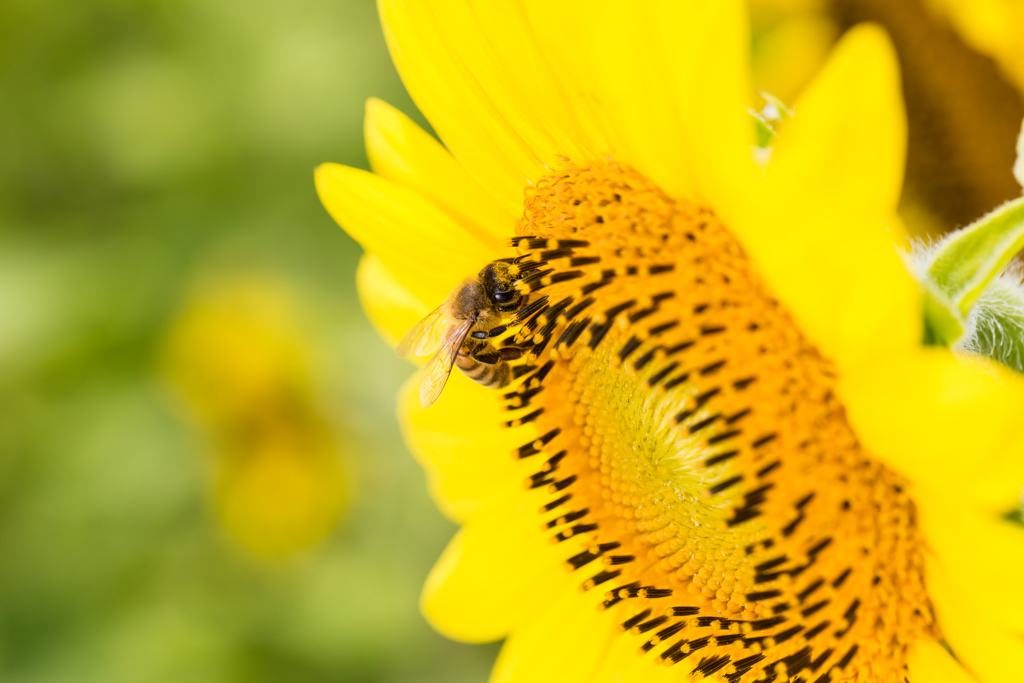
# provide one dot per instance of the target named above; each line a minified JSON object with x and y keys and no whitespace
{"x":508,"y":353}
{"x":486,"y":355}
{"x":491,"y":356}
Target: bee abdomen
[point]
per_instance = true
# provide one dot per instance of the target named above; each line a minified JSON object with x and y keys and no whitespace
{"x":495,"y":376}
{"x":501,"y":375}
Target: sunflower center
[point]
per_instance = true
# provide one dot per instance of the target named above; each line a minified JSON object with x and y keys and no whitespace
{"x":697,"y":464}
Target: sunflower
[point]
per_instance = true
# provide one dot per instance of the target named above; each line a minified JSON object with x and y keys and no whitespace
{"x":731,"y":454}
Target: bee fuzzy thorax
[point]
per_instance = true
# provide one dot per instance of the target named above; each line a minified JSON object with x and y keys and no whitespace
{"x":469,"y":300}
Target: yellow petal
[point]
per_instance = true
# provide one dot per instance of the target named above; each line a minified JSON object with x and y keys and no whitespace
{"x":392,"y":308}
{"x":495,"y":575}
{"x":663,"y":84}
{"x":846,"y":145}
{"x":853,"y":298}
{"x":816,"y":229}
{"x":426,"y":250}
{"x":627,"y":84}
{"x":566,"y":643}
{"x":931,"y":663}
{"x":937,"y":417}
{"x":467,"y":454}
{"x":981,"y":552}
{"x":712,"y":95}
{"x":624,"y":663}
{"x":495,"y":42}
{"x":998,"y":489}
{"x":456,"y":104}
{"x":408,"y":156}
{"x":560,"y":40}
{"x":990,"y":653}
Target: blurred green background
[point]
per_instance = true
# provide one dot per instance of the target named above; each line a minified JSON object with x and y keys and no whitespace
{"x":156,"y":201}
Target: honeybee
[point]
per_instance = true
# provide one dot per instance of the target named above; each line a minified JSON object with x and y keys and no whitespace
{"x":458,"y":331}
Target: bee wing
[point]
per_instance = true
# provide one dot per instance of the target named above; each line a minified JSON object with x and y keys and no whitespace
{"x":425,"y":336}
{"x":435,"y":374}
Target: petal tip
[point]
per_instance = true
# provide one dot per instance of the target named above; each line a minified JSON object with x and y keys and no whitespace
{"x":377,"y":109}
{"x":872,"y":41}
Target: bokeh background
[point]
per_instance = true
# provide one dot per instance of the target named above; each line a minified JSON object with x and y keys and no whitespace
{"x":201,"y":478}
{"x":200,"y":475}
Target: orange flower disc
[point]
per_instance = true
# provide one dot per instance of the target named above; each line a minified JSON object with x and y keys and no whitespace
{"x":702,"y":473}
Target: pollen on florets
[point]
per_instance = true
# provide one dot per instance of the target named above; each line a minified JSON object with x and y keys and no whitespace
{"x":698,"y":466}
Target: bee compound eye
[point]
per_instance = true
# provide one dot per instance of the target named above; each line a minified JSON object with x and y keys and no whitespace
{"x":503,"y":296}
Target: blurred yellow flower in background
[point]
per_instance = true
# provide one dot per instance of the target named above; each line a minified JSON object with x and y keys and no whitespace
{"x":237,"y":351}
{"x":962,"y":66}
{"x":992,"y":27}
{"x":791,"y":39}
{"x":801,"y":531}
{"x":241,"y":362}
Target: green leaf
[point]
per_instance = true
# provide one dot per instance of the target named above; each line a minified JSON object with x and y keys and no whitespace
{"x":998,"y":319}
{"x":941,"y":326}
{"x":965,"y":263}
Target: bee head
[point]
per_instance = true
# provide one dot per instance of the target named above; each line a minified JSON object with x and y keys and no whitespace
{"x":499,"y":284}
